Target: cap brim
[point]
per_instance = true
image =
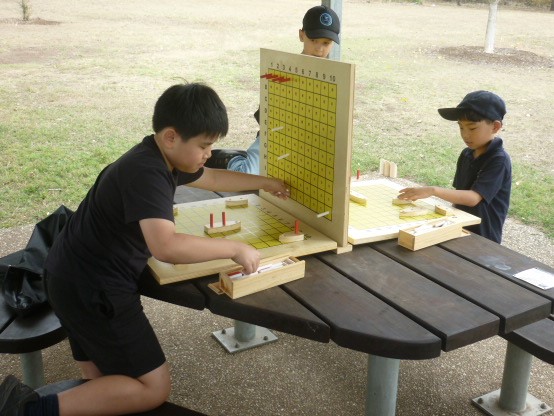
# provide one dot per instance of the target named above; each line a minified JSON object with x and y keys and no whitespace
{"x":452,"y":114}
{"x":322,"y":33}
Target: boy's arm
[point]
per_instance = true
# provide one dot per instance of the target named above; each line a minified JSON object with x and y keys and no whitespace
{"x":166,"y":245}
{"x":229,"y":181}
{"x":468,"y":198}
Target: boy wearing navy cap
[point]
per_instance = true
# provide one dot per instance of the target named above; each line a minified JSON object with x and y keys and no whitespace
{"x":483,"y":178}
{"x":320,"y":28}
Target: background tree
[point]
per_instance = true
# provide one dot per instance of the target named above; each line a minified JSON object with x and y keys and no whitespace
{"x":491,"y":26}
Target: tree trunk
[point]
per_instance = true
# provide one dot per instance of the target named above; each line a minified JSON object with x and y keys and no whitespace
{"x":552,"y":6}
{"x":491,"y":27}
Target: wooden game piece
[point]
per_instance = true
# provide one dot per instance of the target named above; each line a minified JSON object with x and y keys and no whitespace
{"x":398,"y":201}
{"x":278,"y":128}
{"x":236,"y":203}
{"x":322,"y":214}
{"x":283,"y":156}
{"x":444,"y":210}
{"x":273,"y":271}
{"x":413,"y":212}
{"x":382,"y":166}
{"x":292,"y":236}
{"x":218,"y":227}
{"x":393,"y":170}
{"x":429,"y":234}
{"x":221,"y":227}
{"x":386,"y":168}
{"x":358,"y":198}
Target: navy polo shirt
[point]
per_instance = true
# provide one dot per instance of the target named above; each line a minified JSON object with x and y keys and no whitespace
{"x":490,"y":175}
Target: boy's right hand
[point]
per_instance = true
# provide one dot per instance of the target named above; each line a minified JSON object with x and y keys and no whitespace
{"x":248,"y":257}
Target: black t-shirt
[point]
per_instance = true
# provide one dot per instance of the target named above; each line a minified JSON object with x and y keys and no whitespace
{"x":490,"y":175}
{"x":103,"y":242}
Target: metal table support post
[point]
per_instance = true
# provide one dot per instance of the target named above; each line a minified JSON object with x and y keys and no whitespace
{"x":382,"y":386}
{"x":243,"y":336}
{"x":513,"y":398}
{"x":33,"y":369}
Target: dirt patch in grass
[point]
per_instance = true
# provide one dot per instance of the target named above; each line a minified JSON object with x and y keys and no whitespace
{"x":37,"y":21}
{"x":501,"y":56}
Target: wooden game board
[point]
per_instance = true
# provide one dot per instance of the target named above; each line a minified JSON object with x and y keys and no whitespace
{"x":261,"y":224}
{"x":379,"y":219}
{"x":305,"y":129}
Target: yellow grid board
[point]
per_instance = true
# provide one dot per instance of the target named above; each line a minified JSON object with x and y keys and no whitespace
{"x":261,"y":225}
{"x":380,"y":220}
{"x":305,"y":129}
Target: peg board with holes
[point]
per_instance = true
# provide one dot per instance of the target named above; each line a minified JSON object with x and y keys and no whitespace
{"x":306,"y":136}
{"x":261,"y":225}
{"x":380,"y":220}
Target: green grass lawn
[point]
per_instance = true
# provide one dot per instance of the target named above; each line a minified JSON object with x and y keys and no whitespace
{"x":77,"y":94}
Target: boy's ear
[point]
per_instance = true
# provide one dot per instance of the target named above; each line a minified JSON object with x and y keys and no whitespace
{"x":301,"y":35}
{"x":169,"y":137}
{"x":497,"y":125}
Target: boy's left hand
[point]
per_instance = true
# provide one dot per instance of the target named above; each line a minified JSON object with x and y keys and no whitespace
{"x":276,"y":187}
{"x":413,"y":194}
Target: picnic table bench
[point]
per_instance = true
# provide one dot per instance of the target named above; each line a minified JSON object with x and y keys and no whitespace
{"x":28,"y":336}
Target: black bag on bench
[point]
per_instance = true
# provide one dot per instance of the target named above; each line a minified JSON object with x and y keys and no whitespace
{"x":21,"y":273}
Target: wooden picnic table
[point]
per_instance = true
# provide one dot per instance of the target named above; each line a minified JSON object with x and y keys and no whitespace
{"x":387,"y":301}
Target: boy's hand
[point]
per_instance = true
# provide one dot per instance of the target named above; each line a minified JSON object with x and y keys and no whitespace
{"x":248,"y":257}
{"x":412,"y":194}
{"x":276,"y":187}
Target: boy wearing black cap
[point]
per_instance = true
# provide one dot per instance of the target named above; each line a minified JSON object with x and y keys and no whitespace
{"x":320,"y":28}
{"x":483,"y":178}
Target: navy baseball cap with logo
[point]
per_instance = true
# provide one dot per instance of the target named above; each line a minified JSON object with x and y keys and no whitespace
{"x":485,"y":103}
{"x":321,"y":22}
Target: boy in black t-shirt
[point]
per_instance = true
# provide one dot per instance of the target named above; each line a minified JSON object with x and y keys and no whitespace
{"x":93,"y":267}
{"x":483,"y":178}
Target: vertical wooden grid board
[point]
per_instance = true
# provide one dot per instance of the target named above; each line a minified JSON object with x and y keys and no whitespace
{"x":306,"y":106}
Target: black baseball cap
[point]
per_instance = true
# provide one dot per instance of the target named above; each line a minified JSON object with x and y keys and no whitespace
{"x":321,"y":22}
{"x":485,"y":103}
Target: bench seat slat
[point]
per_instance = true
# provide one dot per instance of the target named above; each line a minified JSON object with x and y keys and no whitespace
{"x":35,"y":332}
{"x":536,"y":338}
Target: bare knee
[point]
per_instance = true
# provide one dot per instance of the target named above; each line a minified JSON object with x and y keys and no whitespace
{"x":158,"y":385}
{"x":89,"y":371}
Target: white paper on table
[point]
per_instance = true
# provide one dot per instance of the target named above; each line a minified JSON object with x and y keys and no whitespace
{"x":537,"y":277}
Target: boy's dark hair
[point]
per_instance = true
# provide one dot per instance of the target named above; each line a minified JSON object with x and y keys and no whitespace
{"x":474,"y":116}
{"x":192,"y":109}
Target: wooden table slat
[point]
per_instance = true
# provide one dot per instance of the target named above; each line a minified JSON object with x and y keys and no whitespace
{"x":498,"y":259}
{"x":272,"y":308}
{"x":515,"y":305}
{"x":359,"y":320}
{"x":181,"y":293}
{"x":455,"y":320}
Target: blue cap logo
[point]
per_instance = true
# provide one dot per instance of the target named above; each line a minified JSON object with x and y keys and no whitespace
{"x":326,"y":19}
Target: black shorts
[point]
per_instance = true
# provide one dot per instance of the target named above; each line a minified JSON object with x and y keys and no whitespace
{"x":106,"y":327}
